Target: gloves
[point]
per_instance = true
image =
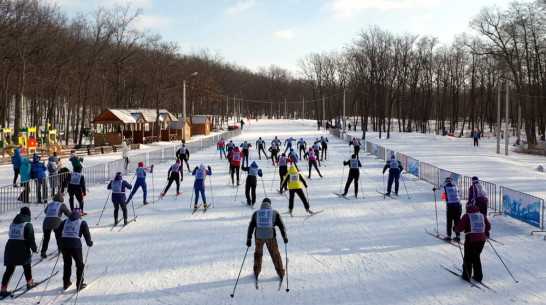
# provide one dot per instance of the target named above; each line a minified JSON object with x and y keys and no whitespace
{"x":84,"y":194}
{"x":434,"y":189}
{"x":285,"y":240}
{"x":248,"y":242}
{"x":90,"y":244}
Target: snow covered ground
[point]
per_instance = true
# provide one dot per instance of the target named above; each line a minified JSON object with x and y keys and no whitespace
{"x":368,"y":250}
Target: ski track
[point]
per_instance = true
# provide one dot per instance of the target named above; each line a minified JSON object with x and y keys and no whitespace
{"x":360,"y":251}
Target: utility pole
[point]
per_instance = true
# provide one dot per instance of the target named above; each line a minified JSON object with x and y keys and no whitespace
{"x":507,"y":133}
{"x":498,"y":116}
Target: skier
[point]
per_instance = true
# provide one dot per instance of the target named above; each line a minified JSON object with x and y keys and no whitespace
{"x":242,"y":124}
{"x":251,"y":182}
{"x":118,"y":186}
{"x":312,"y":158}
{"x":260,"y":144}
{"x":245,"y":146}
{"x":274,"y":150}
{"x":183,"y":154}
{"x":175,"y":174}
{"x":16,"y":161}
{"x":302,"y":146}
{"x":221,"y":147}
{"x":75,"y":183}
{"x":141,"y":182}
{"x":262,"y":224}
{"x":200,"y":174}
{"x":354,"y":174}
{"x":294,"y":179}
{"x":53,"y":212}
{"x":478,"y":195}
{"x":476,"y":228}
{"x":283,"y":169}
{"x":454,"y":208}
{"x":395,"y":168}
{"x":356,"y":146}
{"x":230,"y":147}
{"x":69,"y":233}
{"x":235,"y":157}
{"x":39,"y":170}
{"x":125,"y":154}
{"x":277,"y":142}
{"x":293,"y":157}
{"x":18,"y":249}
{"x":324,"y":144}
{"x":316,"y":148}
{"x":288,"y":144}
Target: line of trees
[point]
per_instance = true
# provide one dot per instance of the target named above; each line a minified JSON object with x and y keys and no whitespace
{"x":60,"y":71}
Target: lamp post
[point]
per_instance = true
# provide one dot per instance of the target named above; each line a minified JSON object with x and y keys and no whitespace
{"x":184,"y":108}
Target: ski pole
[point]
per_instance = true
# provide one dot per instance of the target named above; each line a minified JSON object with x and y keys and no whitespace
{"x":501,"y":260}
{"x":191,"y":198}
{"x":211,"y":192}
{"x":464,"y":265}
{"x":41,"y":242}
{"x":361,"y":187}
{"x":272,"y":182}
{"x":51,"y":275}
{"x":133,"y":205}
{"x":402,"y":178}
{"x":40,"y":213}
{"x":214,"y":155}
{"x":265,"y":193}
{"x":236,"y":191}
{"x":237,"y":281}
{"x":83,"y":271}
{"x":104,"y":208}
{"x":17,"y":286}
{"x":286,"y":256}
{"x":341,"y":183}
{"x":153,"y":189}
{"x":384,"y":191}
{"x":436,"y":209}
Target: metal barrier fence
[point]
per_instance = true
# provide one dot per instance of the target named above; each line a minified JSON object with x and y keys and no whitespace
{"x":26,"y":192}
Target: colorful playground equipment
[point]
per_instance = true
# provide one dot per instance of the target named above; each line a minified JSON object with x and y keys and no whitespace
{"x":6,"y":144}
{"x":49,"y":141}
{"x":27,"y":139}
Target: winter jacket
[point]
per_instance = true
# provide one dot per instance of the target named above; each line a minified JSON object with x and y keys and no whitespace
{"x":253,"y":171}
{"x":393,"y":169}
{"x":53,"y":222}
{"x":294,"y":179}
{"x":24,"y":171}
{"x":452,"y":195}
{"x":19,"y":252}
{"x":180,"y":154}
{"x":266,"y":230}
{"x":76,"y":161}
{"x":125,"y":150}
{"x":38,"y":168}
{"x":118,"y":195}
{"x":17,"y":158}
{"x":476,"y":193}
{"x":52,"y":166}
{"x":70,"y":243}
{"x":465,"y":225}
{"x":354,"y":164}
{"x":74,"y":188}
{"x":234,"y":152}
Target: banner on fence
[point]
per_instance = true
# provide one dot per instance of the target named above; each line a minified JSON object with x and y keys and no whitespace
{"x":413,"y":166}
{"x":521,"y":206}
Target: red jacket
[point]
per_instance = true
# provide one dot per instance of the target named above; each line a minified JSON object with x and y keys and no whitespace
{"x":236,"y":162}
{"x":464,"y":225}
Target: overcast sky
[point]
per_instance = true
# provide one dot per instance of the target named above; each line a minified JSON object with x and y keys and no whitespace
{"x":260,"y":33}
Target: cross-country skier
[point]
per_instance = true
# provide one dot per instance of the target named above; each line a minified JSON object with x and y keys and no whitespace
{"x":277,"y":142}
{"x":354,"y":174}
{"x":324,"y":144}
{"x":395,"y":168}
{"x":260,"y":145}
{"x":245,"y":148}
{"x":293,"y":156}
{"x":274,"y":150}
{"x":356,"y":145}
{"x":295,"y":181}
{"x":141,"y":182}
{"x":230,"y":147}
{"x":316,"y":148}
{"x":312,"y":159}
{"x":69,"y":233}
{"x":175,"y":174}
{"x":53,"y":212}
{"x":476,"y":228}
{"x":200,"y":174}
{"x":221,"y":147}
{"x":75,"y":184}
{"x":118,"y":186}
{"x":288,"y":144}
{"x":125,"y":154}
{"x":19,"y":248}
{"x":478,"y":195}
{"x":235,"y":158}
{"x":262,"y":224}
{"x":251,"y":182}
{"x":454,"y":208}
{"x":302,"y":145}
{"x":283,"y":169}
{"x":183,"y":154}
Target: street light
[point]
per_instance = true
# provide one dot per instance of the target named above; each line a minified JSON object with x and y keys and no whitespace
{"x":184,"y":108}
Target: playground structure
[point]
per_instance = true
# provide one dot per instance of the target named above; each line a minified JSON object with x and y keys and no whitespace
{"x":49,"y":141}
{"x":6,"y":144}
{"x":28,"y":139}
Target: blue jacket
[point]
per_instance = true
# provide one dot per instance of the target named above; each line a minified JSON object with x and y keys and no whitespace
{"x":24,"y":171}
{"x":17,"y":159}
{"x":70,"y":243}
{"x":38,"y":168}
{"x":120,"y":197}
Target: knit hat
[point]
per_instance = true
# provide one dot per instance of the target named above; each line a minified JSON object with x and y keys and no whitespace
{"x":25,"y":211}
{"x":310,"y":148}
{"x":77,"y":211}
{"x":58,"y":197}
{"x":393,"y":156}
{"x":448,"y":180}
{"x":178,"y":161}
{"x":266,"y":200}
{"x":475,"y":178}
{"x":118,"y":176}
{"x":254,"y":164}
{"x":202,"y":165}
{"x":140,"y":164}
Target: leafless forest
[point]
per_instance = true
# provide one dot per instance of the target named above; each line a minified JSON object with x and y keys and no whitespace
{"x":64,"y":71}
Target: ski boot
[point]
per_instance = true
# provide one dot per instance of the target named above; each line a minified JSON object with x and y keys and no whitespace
{"x":67,"y":285}
{"x":125,"y":222}
{"x":43,"y":255}
{"x":178,"y":193}
{"x":31,"y":284}
{"x":310,"y":212}
{"x":4,"y":292}
{"x":290,"y":212}
{"x":82,"y":286}
{"x":205,"y":206}
{"x":195,"y":207}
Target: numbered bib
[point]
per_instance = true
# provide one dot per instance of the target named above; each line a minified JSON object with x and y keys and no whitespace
{"x":72,"y":228}
{"x":17,"y":231}
{"x":477,"y":223}
{"x":53,"y":209}
{"x":75,"y":178}
{"x":294,"y":177}
{"x":353,"y":163}
{"x":264,"y":218}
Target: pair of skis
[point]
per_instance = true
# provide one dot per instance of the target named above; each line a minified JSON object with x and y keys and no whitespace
{"x":75,"y":293}
{"x":197,"y":209}
{"x":15,"y":295}
{"x":257,"y":283}
{"x":472,"y":282}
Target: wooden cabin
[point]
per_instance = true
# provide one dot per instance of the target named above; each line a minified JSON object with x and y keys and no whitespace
{"x":178,"y":126}
{"x":201,"y":124}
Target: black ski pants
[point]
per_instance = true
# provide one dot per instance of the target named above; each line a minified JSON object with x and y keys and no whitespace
{"x":47,"y":238}
{"x":313,"y":163}
{"x":79,"y":197}
{"x":11,"y":269}
{"x":302,"y":148}
{"x":175,"y":177}
{"x":324,"y":155}
{"x":453,"y":215}
{"x":300,"y":193}
{"x":354,"y":174}
{"x":123,"y":206}
{"x":250,"y":187}
{"x":472,"y":260}
{"x":68,"y":255}
{"x":234,"y":169}
{"x":283,"y":170}
{"x":260,"y":150}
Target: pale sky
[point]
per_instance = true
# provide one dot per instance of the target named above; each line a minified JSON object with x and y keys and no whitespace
{"x":260,"y":33}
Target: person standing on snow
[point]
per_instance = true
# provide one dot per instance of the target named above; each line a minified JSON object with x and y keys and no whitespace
{"x":175,"y":174}
{"x":245,"y":146}
{"x":356,"y":145}
{"x":262,"y":225}
{"x":118,"y":186}
{"x":251,"y":182}
{"x":478,"y":195}
{"x":69,"y":233}
{"x":16,"y":161}
{"x":476,"y":137}
{"x":476,"y":228}
{"x":312,"y":158}
{"x":235,"y":157}
{"x":221,"y":147}
{"x":39,"y":173}
{"x":282,"y":161}
{"x":277,"y":142}
{"x":274,"y":150}
{"x":260,"y":145}
{"x":316,"y":148}
{"x":324,"y":144}
{"x":25,"y":180}
{"x":200,"y":174}
{"x":302,"y":145}
{"x":288,"y":144}
{"x":295,"y":182}
{"x":76,"y":161}
{"x":230,"y":147}
{"x":53,"y":212}
{"x":141,"y":182}
{"x":354,"y":174}
{"x":19,"y":248}
{"x":395,"y":168}
{"x":454,"y":208}
{"x":75,"y":183}
{"x":183,"y":154}
{"x":293,"y":158}
{"x":125,"y":154}
{"x":242,"y":123}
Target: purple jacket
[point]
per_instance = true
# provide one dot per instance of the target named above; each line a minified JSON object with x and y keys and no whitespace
{"x":464,"y":225}
{"x":119,"y":197}
{"x":473,"y":193}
